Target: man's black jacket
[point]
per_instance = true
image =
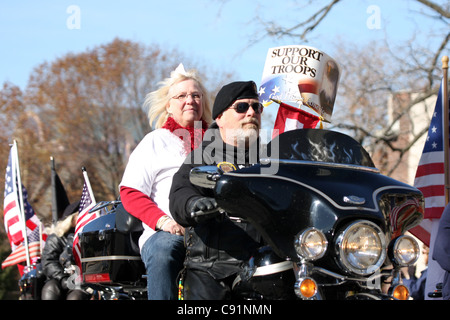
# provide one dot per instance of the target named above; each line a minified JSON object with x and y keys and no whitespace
{"x":220,"y":245}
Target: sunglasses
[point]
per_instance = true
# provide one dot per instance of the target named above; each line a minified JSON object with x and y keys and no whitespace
{"x":242,"y":107}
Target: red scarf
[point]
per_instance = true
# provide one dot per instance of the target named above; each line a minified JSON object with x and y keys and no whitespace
{"x":196,"y":135}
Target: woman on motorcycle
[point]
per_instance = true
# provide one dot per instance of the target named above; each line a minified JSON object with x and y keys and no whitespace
{"x":181,"y":113}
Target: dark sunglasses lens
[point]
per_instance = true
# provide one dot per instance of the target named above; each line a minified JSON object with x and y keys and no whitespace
{"x":257,"y":107}
{"x":242,"y":107}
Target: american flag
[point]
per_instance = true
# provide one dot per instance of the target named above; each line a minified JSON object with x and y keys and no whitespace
{"x":430,"y":175}
{"x":291,"y":118}
{"x":11,"y":203}
{"x":13,"y":216}
{"x":18,"y":254}
{"x":281,"y":88}
{"x":84,"y":217}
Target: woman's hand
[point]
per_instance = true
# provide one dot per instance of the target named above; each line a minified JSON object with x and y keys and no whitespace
{"x":173,"y":227}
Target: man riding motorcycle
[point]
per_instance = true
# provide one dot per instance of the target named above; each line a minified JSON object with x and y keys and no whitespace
{"x":217,"y":245}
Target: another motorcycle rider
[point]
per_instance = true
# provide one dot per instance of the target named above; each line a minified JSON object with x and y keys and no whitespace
{"x":57,"y":258}
{"x":218,"y":245}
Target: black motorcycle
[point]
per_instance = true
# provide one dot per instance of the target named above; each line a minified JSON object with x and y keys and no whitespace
{"x":333,"y":226}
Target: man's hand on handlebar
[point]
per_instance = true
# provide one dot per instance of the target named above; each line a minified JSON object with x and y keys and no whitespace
{"x":203,"y":208}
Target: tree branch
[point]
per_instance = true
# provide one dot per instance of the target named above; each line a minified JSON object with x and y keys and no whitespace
{"x":439,"y":9}
{"x":322,"y":13}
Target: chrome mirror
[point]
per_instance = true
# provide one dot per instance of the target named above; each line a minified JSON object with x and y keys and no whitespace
{"x":205,"y":176}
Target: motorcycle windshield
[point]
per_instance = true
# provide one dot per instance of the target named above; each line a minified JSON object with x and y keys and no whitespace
{"x":318,"y":145}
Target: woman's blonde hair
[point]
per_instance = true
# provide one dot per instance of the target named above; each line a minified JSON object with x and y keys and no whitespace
{"x":158,"y":100}
{"x":62,"y":226}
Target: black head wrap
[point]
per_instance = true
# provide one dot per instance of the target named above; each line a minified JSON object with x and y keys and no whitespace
{"x":232,"y":92}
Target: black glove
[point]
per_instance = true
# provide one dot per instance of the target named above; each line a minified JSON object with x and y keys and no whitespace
{"x":202,"y":208}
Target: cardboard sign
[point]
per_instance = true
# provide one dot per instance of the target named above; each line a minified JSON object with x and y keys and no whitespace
{"x":300,"y":75}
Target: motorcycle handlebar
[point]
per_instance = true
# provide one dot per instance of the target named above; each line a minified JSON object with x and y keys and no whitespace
{"x":201,"y":213}
{"x":102,"y":204}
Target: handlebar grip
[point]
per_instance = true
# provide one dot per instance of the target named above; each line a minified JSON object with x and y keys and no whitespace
{"x":201,"y":213}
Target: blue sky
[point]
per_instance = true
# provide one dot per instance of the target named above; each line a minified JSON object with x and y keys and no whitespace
{"x":218,"y":32}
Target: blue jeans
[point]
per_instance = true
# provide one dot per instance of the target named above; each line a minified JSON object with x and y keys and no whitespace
{"x":163,"y":255}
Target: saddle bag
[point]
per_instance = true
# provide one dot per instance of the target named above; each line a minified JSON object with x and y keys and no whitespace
{"x":109,"y":250}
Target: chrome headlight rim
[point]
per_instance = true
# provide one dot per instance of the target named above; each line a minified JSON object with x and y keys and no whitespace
{"x":343,"y":256}
{"x":302,"y":245}
{"x":398,"y":256}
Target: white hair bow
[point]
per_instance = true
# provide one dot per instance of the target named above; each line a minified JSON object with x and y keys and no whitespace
{"x":178,"y":71}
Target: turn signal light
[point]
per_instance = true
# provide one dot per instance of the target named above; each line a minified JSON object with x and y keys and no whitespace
{"x":400,"y":292}
{"x":308,"y":288}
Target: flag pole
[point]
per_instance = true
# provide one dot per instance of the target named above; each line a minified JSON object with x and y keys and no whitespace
{"x":21,"y":206}
{"x":446,"y":126}
{"x":54,"y":207}
{"x":41,"y":240}
{"x":88,"y":184}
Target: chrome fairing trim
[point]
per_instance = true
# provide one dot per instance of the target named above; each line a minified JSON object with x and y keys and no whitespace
{"x":105,"y":258}
{"x":266,"y":161}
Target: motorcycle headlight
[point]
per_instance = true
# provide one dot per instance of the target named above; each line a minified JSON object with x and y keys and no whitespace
{"x":361,"y":247}
{"x":311,"y":244}
{"x":404,"y":251}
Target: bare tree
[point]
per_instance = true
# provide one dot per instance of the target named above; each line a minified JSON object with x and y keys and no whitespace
{"x":373,"y":78}
{"x":301,"y":30}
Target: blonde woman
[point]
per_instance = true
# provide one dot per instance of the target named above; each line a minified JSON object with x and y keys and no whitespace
{"x":57,"y":257}
{"x":180,"y":112}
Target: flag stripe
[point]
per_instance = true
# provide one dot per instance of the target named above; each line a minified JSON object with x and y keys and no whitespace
{"x":430,"y":168}
{"x":430,"y":180}
{"x":12,"y":221}
{"x":31,"y":224}
{"x":422,"y":234}
{"x":432,"y":191}
{"x":9,"y":206}
{"x":434,"y":211}
{"x":435,"y":201}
